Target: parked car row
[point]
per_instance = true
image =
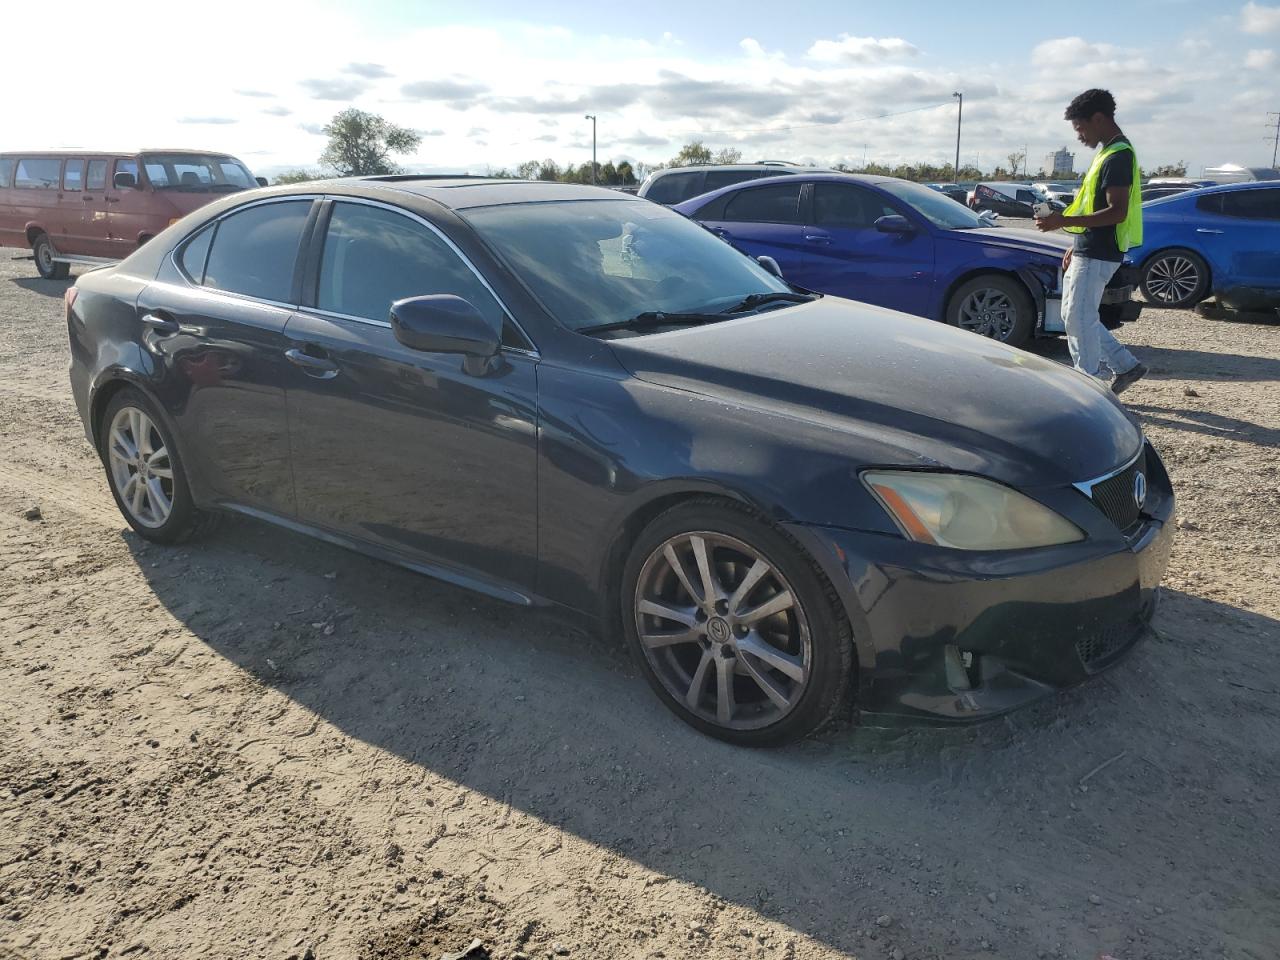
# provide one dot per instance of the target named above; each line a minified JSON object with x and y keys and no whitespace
{"x":789,"y":504}
{"x":73,"y":206}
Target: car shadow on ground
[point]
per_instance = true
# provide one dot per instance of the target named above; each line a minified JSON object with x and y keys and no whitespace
{"x":824,"y":836}
{"x":1208,"y":423}
{"x":1166,"y":363}
{"x":46,"y":288}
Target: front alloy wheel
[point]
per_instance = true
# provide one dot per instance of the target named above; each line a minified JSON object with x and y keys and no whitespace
{"x":1175,"y":278}
{"x":735,"y":628}
{"x":140,"y":467}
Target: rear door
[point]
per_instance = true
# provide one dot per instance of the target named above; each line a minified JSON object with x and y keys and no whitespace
{"x":1245,"y":232}
{"x":93,"y":209}
{"x":37,"y":182}
{"x":761,"y":221}
{"x":217,"y":323}
{"x":401,"y":448}
{"x":845,"y":254}
{"x":67,"y":225}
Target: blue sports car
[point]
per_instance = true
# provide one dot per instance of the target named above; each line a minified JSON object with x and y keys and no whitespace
{"x":900,"y":245}
{"x":1220,"y":241}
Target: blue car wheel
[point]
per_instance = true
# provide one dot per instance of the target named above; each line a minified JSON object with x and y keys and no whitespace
{"x":1175,"y":278}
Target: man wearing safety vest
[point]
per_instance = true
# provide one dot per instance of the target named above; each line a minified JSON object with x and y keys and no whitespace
{"x":1106,"y":218}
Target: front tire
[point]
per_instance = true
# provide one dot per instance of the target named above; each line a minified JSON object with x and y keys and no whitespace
{"x":735,"y":628}
{"x":46,"y":266}
{"x":993,"y":306}
{"x":145,"y":472}
{"x":1175,"y":278}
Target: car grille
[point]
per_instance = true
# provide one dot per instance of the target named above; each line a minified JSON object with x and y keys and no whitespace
{"x":1099,"y":648}
{"x":1114,"y":496}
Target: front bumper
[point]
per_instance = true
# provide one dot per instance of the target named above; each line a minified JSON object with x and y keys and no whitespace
{"x":947,"y":636}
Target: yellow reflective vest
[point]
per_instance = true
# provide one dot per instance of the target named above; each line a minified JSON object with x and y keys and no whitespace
{"x":1128,"y":230}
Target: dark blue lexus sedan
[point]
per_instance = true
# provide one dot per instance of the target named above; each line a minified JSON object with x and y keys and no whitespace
{"x":790,"y":505}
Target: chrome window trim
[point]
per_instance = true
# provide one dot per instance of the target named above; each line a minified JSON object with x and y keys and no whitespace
{"x":410,"y":215}
{"x":334,"y":315}
{"x":1086,"y":486}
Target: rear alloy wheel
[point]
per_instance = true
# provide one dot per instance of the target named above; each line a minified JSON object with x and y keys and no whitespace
{"x":1175,"y":278}
{"x":992,"y":306}
{"x":145,"y":472}
{"x":737,"y":630}
{"x":43,"y":252}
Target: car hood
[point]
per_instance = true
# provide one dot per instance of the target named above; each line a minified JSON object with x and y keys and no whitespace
{"x":1015,"y":238}
{"x":906,"y":390}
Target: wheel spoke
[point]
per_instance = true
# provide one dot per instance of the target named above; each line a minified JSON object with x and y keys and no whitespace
{"x":776,"y":604}
{"x":139,"y":495}
{"x":677,"y":567}
{"x":160,"y":504}
{"x":666,"y":612}
{"x":756,"y":646}
{"x":710,"y":585}
{"x":749,"y":582}
{"x":725,"y":705}
{"x":699,"y":681}
{"x":669,"y":638}
{"x":127,"y":450}
{"x":765,"y":683}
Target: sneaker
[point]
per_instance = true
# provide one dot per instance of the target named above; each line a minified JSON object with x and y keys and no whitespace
{"x":1124,"y":381}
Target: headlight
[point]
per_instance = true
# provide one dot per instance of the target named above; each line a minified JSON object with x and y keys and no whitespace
{"x":967,"y":513}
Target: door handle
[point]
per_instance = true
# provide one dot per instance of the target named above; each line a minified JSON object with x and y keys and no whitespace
{"x":161,"y":325}
{"x":817,"y":238}
{"x":87,"y":199}
{"x":1206,"y":230}
{"x":321,"y":368}
{"x":111,"y":199}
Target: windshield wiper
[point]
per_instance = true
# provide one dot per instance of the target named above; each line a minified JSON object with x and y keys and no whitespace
{"x":754,"y":300}
{"x":654,"y":318}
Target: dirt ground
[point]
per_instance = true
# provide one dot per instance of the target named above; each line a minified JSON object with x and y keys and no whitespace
{"x":263,"y":746}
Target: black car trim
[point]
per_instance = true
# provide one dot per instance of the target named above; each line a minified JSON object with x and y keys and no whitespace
{"x":307,"y":278}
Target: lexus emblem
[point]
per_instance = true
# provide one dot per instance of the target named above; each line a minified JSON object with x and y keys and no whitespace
{"x":1139,"y":489}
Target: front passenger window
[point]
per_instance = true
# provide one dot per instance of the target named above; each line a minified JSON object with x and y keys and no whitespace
{"x":254,"y":250}
{"x":374,"y":257}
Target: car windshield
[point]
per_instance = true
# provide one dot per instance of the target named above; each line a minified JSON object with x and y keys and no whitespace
{"x":606,"y":261}
{"x":196,"y":173}
{"x":937,"y":208}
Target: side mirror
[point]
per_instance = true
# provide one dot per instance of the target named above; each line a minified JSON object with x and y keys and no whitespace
{"x":771,"y":265}
{"x":125,"y":181}
{"x":443,"y":323}
{"x":262,"y":181}
{"x":894,"y":223}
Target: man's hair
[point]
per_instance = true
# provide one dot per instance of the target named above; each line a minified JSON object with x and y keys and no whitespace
{"x":1090,"y":102}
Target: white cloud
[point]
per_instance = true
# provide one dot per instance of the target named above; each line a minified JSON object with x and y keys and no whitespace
{"x":1259,"y":59}
{"x":1258,"y":18}
{"x":849,"y":49}
{"x":1070,"y":51}
{"x":752,"y":48}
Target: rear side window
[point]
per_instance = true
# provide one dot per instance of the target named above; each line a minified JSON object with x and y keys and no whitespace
{"x":96,"y":178}
{"x":776,"y":203}
{"x":38,"y":174}
{"x":195,"y":253}
{"x":254,"y":251}
{"x":675,"y":187}
{"x":6,"y":172}
{"x":73,"y":176}
{"x":1261,"y":204}
{"x":373,"y":257}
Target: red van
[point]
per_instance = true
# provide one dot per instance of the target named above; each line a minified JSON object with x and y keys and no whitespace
{"x":77,"y":207}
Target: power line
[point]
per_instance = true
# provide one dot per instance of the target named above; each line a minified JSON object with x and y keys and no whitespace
{"x":1276,"y":148}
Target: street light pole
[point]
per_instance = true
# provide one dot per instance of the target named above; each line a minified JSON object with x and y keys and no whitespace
{"x":959,"y":113}
{"x":592,"y":118}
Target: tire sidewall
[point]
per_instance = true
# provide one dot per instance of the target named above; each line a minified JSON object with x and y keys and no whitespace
{"x":55,"y":271}
{"x":1024,"y":322}
{"x":184,"y":516}
{"x":830,"y":639}
{"x":1202,"y":285}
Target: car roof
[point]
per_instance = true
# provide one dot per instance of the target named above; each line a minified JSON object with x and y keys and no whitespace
{"x":114,"y":153}
{"x":463,"y":192}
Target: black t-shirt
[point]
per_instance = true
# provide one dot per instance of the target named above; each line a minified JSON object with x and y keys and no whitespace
{"x":1099,"y":243}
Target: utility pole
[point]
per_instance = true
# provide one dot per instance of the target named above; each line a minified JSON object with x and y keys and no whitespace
{"x":1275,"y":149}
{"x":592,"y":118}
{"x":959,"y":113}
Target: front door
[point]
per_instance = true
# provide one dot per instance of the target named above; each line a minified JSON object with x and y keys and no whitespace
{"x":845,"y":254}
{"x":407,"y":450}
{"x":761,"y":221}
{"x":219,"y":330}
{"x":130,"y":210}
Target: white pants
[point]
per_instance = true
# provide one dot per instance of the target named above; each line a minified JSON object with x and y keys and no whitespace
{"x":1091,"y":344}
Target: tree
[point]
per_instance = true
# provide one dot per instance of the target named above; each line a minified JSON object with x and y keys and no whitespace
{"x":609,"y":173}
{"x":528,"y":170}
{"x":295,"y":176}
{"x":691,"y":152}
{"x":549,"y":170}
{"x":728,"y":155}
{"x":626,"y":176}
{"x":1178,"y":169}
{"x":1015,"y":160}
{"x":360,"y":144}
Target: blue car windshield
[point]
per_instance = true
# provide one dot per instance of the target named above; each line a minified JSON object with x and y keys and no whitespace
{"x":937,"y":208}
{"x":593,"y":262}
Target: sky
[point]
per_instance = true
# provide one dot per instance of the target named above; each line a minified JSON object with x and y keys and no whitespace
{"x":490,"y":85}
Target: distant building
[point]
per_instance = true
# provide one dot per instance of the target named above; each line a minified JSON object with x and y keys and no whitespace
{"x":1060,"y":161}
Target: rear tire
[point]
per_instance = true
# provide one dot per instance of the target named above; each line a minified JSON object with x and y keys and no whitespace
{"x":145,"y":471}
{"x":1175,"y":278}
{"x":993,"y":306}
{"x":762,"y":658}
{"x":46,"y":266}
